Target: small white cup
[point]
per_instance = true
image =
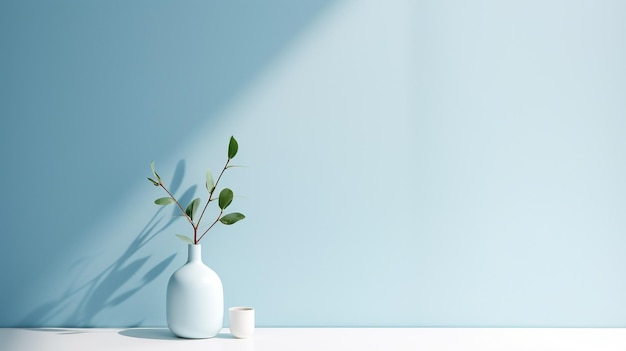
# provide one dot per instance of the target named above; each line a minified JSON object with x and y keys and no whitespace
{"x":241,"y":322}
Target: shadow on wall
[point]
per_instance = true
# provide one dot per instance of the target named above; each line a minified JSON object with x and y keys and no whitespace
{"x":108,"y":288}
{"x":104,"y":97}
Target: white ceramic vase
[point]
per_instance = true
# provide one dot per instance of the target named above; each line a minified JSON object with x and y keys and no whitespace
{"x":195,"y":299}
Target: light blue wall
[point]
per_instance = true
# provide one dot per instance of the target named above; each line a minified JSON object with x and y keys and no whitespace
{"x":409,"y":163}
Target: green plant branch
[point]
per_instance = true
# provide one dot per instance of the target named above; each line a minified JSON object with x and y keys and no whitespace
{"x":211,"y":195}
{"x":177,"y":203}
{"x":225,"y":198}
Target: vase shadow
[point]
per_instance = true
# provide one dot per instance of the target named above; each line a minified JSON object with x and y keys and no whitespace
{"x":150,"y":333}
{"x":164,"y":334}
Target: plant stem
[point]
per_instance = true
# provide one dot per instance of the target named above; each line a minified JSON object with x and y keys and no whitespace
{"x":177,"y":203}
{"x":211,"y":195}
{"x":206,"y":231}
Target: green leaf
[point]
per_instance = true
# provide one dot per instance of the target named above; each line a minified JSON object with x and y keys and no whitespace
{"x":156,"y":175}
{"x":185,"y":239}
{"x":154,"y":172}
{"x":232,"y":147}
{"x":164,"y":201}
{"x":154,"y":182}
{"x":226,"y":197}
{"x":192,"y":208}
{"x":232,"y":218}
{"x":210,"y":183}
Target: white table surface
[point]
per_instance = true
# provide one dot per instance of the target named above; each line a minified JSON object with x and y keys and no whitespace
{"x":277,"y":339}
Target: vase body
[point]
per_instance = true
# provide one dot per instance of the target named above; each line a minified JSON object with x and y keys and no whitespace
{"x":195,"y":299}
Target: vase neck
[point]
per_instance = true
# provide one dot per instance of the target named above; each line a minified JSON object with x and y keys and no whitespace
{"x":195,"y":253}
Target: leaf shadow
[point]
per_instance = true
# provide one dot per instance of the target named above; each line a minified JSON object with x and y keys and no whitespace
{"x":110,"y":287}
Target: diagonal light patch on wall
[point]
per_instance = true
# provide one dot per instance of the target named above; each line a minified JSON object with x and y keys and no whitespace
{"x":328,"y":188}
{"x":368,"y":208}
